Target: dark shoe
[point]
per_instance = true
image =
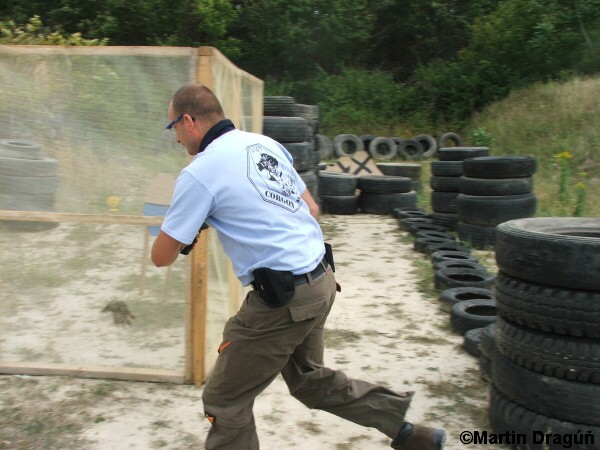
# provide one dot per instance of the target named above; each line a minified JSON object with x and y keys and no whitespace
{"x":419,"y":437}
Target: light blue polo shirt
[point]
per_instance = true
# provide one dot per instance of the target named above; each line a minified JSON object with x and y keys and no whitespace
{"x":245,"y":187}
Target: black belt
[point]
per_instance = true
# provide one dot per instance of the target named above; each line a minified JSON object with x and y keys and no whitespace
{"x":309,"y":276}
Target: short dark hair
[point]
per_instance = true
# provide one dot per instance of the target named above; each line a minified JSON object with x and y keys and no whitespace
{"x":198,"y":101}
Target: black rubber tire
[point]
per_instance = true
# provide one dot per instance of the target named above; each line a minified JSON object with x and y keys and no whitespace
{"x":448,"y":220}
{"x":472,"y":341}
{"x":461,"y":153}
{"x":407,"y":223}
{"x":343,"y":205}
{"x":495,"y":186}
{"x":337,"y":184}
{"x":285,"y":129}
{"x":548,"y":308}
{"x":445,"y":184}
{"x":410,"y":170}
{"x":558,"y":251}
{"x":471,"y":314}
{"x":473,"y":265}
{"x":428,"y":143}
{"x":449,"y":136}
{"x":324,"y":146}
{"x":488,"y":340}
{"x":478,"y":236}
{"x":17,"y":149}
{"x":384,"y":184}
{"x":397,"y":211}
{"x":566,"y":400}
{"x":346,"y":145}
{"x":383,"y":148}
{"x":571,"y":358}
{"x":18,"y":167}
{"x":444,"y":202}
{"x":451,"y":296}
{"x":445,"y":255}
{"x":23,"y":202}
{"x":421,"y":244}
{"x":370,"y":203}
{"x":413,"y":213}
{"x":511,"y":419}
{"x":449,"y":246}
{"x":493,"y":210}
{"x":449,"y":278}
{"x":366,"y":140}
{"x":446,"y":168}
{"x":417,"y":227}
{"x":434,"y":234}
{"x":308,"y":112}
{"x":282,"y":106}
{"x":302,"y":154}
{"x":11,"y":185}
{"x":410,"y":149}
{"x":500,"y":167}
{"x":485,"y":368}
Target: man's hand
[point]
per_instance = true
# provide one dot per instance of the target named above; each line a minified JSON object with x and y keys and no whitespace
{"x":186,"y":249}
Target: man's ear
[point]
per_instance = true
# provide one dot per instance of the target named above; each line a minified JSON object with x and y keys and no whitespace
{"x":188,"y":121}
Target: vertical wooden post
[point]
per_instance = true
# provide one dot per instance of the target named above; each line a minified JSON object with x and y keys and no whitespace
{"x":199,"y":288}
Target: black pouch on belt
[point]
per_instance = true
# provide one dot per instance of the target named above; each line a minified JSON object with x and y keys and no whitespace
{"x":276,"y":287}
{"x":329,"y":255}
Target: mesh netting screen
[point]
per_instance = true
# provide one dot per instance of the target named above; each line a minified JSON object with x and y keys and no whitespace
{"x":82,"y":131}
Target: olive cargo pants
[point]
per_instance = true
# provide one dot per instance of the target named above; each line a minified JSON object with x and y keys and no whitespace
{"x":259,"y":342}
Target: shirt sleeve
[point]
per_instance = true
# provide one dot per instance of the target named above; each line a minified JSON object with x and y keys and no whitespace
{"x":190,"y":206}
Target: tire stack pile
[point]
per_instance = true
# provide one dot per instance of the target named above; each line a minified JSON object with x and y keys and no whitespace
{"x":282,"y":123}
{"x":546,"y":371}
{"x":28,"y":182}
{"x":494,"y":189}
{"x":445,"y":182}
{"x":381,"y":194}
{"x":337,"y":193}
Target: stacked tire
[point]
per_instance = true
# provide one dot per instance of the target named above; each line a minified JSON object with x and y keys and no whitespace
{"x":382,"y":194}
{"x":337,"y":193}
{"x":546,"y":371}
{"x":409,"y":170}
{"x":28,"y":182}
{"x":493,"y":190}
{"x":445,"y":182}
{"x":282,"y":122}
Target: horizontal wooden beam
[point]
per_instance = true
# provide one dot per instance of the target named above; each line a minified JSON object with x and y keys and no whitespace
{"x":110,"y":219}
{"x":96,"y":50}
{"x":102,"y":372}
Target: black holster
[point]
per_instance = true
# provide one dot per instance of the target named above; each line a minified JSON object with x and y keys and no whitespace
{"x":329,"y":255}
{"x":275,"y":287}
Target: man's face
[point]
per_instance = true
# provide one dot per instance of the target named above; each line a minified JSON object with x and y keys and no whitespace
{"x":182,"y":134}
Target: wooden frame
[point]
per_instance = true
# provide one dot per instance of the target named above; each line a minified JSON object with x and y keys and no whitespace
{"x":211,"y":68}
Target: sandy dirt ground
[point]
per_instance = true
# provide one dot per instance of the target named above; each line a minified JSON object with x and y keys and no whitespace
{"x":382,"y":329}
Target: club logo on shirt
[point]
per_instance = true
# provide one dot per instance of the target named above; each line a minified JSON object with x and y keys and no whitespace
{"x":274,"y":181}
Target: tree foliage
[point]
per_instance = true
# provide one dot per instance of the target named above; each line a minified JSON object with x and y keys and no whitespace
{"x":444,"y":58}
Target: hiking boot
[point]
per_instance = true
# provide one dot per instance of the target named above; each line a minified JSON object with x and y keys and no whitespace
{"x":419,"y":437}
